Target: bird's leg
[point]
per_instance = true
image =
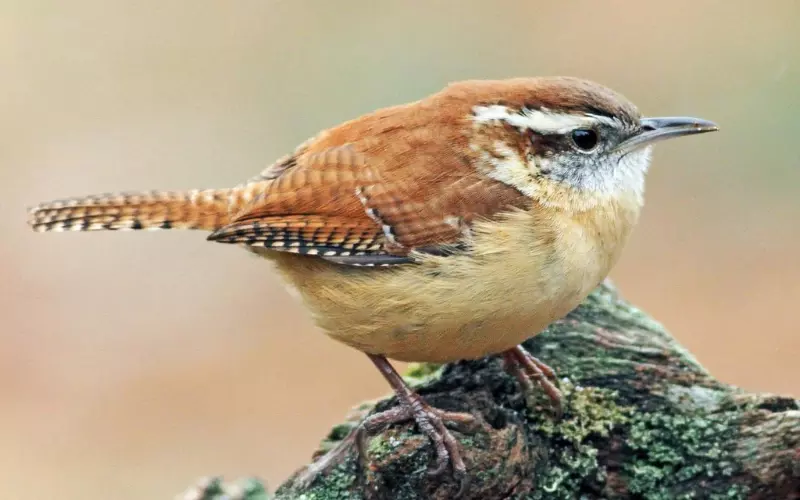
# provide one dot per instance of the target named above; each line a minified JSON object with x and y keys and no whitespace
{"x":513,"y":368}
{"x":529,"y":370}
{"x":430,"y":421}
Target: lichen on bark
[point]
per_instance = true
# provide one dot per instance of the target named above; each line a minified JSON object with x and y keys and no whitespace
{"x":642,"y":420}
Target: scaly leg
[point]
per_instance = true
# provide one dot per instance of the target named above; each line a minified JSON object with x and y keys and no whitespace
{"x":529,"y":370}
{"x":429,"y":420}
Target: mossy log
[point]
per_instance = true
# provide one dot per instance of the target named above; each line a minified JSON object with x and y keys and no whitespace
{"x":642,"y":420}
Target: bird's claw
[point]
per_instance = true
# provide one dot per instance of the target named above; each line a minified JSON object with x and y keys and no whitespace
{"x":529,"y":370}
{"x":431,"y":422}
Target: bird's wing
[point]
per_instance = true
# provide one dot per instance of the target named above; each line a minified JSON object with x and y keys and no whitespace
{"x":370,"y":197}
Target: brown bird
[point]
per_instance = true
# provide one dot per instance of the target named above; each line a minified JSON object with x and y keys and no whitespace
{"x":445,"y":229}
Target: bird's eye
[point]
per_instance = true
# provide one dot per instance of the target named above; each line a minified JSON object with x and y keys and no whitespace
{"x":584,"y":139}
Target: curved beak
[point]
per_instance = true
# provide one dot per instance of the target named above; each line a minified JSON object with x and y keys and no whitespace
{"x":658,"y":129}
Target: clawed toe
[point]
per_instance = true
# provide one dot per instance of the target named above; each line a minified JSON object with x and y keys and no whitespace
{"x":529,"y":371}
{"x":326,"y":462}
{"x":433,"y":423}
{"x":448,"y":450}
{"x":374,"y":423}
{"x":462,"y":422}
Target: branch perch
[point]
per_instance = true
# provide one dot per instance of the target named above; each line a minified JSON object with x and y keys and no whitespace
{"x":642,"y":420}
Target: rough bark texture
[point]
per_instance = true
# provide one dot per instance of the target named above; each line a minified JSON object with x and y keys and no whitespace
{"x":642,"y":420}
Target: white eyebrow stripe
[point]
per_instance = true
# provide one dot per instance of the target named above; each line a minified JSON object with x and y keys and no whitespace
{"x":483,"y":114}
{"x":541,"y":121}
{"x":612,"y":122}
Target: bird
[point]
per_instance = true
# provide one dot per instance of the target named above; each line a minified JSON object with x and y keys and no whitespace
{"x":449,"y":228}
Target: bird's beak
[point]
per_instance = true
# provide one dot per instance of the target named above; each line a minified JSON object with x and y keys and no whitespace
{"x":658,"y":129}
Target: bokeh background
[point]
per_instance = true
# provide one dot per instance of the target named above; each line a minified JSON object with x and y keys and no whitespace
{"x":133,"y":363}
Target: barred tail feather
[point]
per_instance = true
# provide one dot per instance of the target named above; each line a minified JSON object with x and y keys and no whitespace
{"x":204,"y":210}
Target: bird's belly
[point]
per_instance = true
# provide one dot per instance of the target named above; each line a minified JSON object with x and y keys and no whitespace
{"x":449,"y":337}
{"x":522,"y":274}
{"x":451,"y":311}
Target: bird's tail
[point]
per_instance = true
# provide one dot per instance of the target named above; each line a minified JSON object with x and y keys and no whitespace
{"x":206,"y":210}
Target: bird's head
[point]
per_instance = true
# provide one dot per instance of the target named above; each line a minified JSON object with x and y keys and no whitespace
{"x":566,"y":140}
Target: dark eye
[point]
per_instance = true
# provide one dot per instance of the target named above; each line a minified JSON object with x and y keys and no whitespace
{"x":584,"y":138}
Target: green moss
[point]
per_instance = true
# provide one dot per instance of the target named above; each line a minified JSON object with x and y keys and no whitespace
{"x":563,"y":480}
{"x":335,"y":486}
{"x":673,"y":450}
{"x":253,"y":490}
{"x":589,"y":411}
{"x":244,"y":489}
{"x":422,"y":373}
{"x":590,"y":416}
{"x":336,"y":434}
{"x":340,"y":431}
{"x":383,"y":445}
{"x":214,"y":488}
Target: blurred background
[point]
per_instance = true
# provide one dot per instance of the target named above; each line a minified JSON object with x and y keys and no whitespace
{"x":133,"y":363}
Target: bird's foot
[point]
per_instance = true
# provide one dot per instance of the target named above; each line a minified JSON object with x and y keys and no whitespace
{"x":433,"y":423}
{"x":430,"y":421}
{"x":529,"y":371}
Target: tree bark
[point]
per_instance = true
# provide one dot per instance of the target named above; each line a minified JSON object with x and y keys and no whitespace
{"x":642,"y":419}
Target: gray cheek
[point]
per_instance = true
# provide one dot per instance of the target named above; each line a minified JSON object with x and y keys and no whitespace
{"x":572,"y":169}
